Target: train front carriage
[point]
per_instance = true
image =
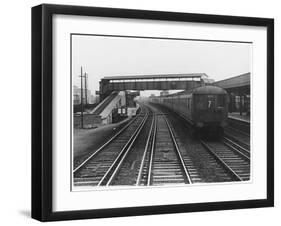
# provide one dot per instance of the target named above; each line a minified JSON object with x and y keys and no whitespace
{"x":210,"y":108}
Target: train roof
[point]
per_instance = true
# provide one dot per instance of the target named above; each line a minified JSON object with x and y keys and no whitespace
{"x":200,"y":90}
{"x":209,"y":90}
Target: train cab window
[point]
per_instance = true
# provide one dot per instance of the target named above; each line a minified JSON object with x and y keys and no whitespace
{"x":204,"y":102}
{"x":211,"y":102}
{"x":200,"y":102}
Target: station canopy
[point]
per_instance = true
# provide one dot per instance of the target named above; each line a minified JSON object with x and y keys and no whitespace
{"x":157,"y":76}
{"x":243,"y":80}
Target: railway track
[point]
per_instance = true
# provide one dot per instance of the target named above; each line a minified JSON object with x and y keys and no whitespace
{"x":234,"y":161}
{"x":128,"y":171}
{"x":146,"y":164}
{"x":237,"y":145}
{"x":226,"y":158}
{"x":99,"y":168}
{"x":148,"y":152}
{"x":238,"y":137}
{"x":162,"y":162}
{"x":239,"y":125}
{"x":238,"y":132}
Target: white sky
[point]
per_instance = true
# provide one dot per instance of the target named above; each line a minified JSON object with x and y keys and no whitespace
{"x":109,"y":56}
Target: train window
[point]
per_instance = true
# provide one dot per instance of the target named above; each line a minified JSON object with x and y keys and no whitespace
{"x":188,"y":103}
{"x":221,"y":100}
{"x":200,"y":102}
{"x":203,"y":102}
{"x":211,"y":102}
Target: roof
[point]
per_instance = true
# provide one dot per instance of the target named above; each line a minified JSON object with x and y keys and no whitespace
{"x":237,"y":81}
{"x":209,"y":90}
{"x":200,"y":90}
{"x":192,"y":75}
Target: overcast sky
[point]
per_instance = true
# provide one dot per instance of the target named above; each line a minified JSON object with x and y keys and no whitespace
{"x":109,"y":56}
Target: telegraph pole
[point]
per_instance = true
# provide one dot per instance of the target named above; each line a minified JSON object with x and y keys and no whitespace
{"x":82,"y":122}
{"x":86,"y":90}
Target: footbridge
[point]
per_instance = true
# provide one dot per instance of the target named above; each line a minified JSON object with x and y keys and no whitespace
{"x":150,"y":82}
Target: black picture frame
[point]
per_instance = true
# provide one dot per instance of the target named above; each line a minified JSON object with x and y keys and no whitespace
{"x":42,"y":107}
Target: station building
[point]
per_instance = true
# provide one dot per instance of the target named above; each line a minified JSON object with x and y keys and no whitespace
{"x":239,"y":91}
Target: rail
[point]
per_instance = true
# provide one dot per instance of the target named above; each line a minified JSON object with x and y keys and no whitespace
{"x":118,"y":161}
{"x":231,"y":171}
{"x":107,"y":143}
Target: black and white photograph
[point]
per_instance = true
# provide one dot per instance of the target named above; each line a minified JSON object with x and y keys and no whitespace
{"x":140,"y":112}
{"x":150,"y":112}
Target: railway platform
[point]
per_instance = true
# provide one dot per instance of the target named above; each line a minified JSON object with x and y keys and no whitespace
{"x":236,"y":115}
{"x":105,"y":108}
{"x":238,"y":89}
